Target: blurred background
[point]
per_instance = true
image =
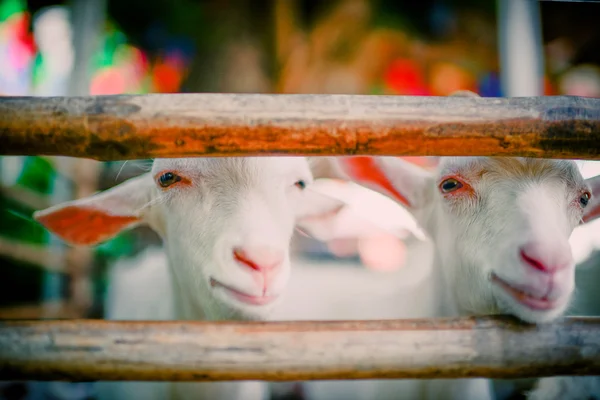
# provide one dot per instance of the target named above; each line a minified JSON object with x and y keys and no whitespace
{"x":103,"y":47}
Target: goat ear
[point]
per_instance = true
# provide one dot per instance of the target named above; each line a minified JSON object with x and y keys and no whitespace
{"x":317,"y":215}
{"x":592,"y":211}
{"x":398,"y":179}
{"x":325,"y":167}
{"x":100,"y":217}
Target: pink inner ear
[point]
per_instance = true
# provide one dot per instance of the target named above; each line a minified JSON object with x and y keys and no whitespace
{"x":365,"y":170}
{"x":85,"y":226}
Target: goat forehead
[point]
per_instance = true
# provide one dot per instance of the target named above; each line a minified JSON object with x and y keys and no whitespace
{"x":240,"y":170}
{"x":513,"y":167}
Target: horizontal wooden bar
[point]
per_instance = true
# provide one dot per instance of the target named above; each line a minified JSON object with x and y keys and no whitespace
{"x":47,"y":310}
{"x":41,"y":256}
{"x":499,"y":347}
{"x":26,"y":196}
{"x":185,"y":125}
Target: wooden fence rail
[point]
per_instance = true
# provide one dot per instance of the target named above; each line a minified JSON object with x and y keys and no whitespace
{"x":179,"y":125}
{"x":497,"y":347}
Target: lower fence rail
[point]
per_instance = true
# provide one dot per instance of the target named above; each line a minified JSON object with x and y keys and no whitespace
{"x":495,"y":347}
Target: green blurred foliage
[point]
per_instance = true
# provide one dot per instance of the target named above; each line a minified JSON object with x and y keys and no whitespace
{"x":23,"y":282}
{"x":8,"y":8}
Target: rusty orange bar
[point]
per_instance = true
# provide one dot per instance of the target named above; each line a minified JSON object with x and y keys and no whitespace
{"x":496,"y":347}
{"x":186,"y":125}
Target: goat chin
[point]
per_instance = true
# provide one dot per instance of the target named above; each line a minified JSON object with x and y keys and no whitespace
{"x":140,"y":288}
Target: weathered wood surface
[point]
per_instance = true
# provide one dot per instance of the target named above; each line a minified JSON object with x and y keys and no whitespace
{"x":183,"y":125}
{"x":176,"y":351}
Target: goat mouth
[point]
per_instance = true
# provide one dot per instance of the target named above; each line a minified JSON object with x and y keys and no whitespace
{"x":241,"y":296}
{"x":524,"y":298}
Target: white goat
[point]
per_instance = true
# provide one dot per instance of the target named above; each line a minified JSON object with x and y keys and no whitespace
{"x":226,"y":224}
{"x":567,"y":387}
{"x":500,"y":229}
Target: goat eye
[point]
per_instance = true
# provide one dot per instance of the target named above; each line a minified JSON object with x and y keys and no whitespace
{"x":584,"y":199}
{"x":450,"y":185}
{"x":168,"y":178}
{"x":300,"y":184}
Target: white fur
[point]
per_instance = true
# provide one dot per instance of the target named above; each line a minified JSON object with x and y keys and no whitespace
{"x":515,"y":204}
{"x":472,"y":240}
{"x":236,"y":202}
{"x":141,"y":289}
{"x":586,"y":303}
{"x":367,"y":213}
{"x":567,"y":388}
{"x":221,"y":204}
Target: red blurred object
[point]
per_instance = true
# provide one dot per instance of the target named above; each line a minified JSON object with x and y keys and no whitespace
{"x":549,"y":89}
{"x":167,"y":78}
{"x":21,"y":31}
{"x":21,"y":46}
{"x":405,"y":76}
{"x":108,"y":81}
{"x":429,"y":163}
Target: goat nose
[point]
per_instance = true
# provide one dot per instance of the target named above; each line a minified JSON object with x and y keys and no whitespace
{"x":259,"y":258}
{"x":548,"y":258}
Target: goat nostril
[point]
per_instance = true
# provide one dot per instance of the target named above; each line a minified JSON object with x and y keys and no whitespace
{"x":533,"y":261}
{"x":258,"y":259}
{"x":241,"y":257}
{"x":547,"y":258}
